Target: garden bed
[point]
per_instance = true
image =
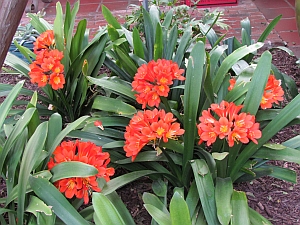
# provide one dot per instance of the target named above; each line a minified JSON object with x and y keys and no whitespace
{"x":277,"y":200}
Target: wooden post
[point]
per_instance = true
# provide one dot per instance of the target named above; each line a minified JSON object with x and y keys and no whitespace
{"x":11,"y":12}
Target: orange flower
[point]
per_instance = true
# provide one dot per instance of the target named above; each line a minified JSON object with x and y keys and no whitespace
{"x":149,"y":127}
{"x":254,"y":133}
{"x":237,"y":135}
{"x":231,"y":84}
{"x":47,"y":67}
{"x":85,"y":152}
{"x":208,"y":133}
{"x":37,"y":75}
{"x":223,"y":127}
{"x":231,"y":125}
{"x":57,"y":81}
{"x":44,"y":41}
{"x":153,"y":80}
{"x":273,"y":92}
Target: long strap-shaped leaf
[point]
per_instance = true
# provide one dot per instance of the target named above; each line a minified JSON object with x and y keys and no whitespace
{"x":108,"y":16}
{"x":206,"y":190}
{"x":17,"y":63}
{"x":179,"y":211}
{"x":8,"y":102}
{"x":52,"y":197}
{"x":230,"y":60}
{"x":105,"y":211}
{"x":224,"y":190}
{"x":269,"y":28}
{"x":114,"y":84}
{"x":18,"y":129}
{"x":257,"y":84}
{"x":120,"y":181}
{"x":286,"y":115}
{"x":240,"y":213}
{"x":194,"y":76}
{"x":149,"y":33}
{"x":31,"y":153}
{"x":72,"y":169}
{"x":62,"y":135}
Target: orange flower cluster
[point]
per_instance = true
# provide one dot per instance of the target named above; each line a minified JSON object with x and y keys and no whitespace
{"x":149,"y":127}
{"x":232,"y":125}
{"x":273,"y":92}
{"x":47,"y":67}
{"x":86,"y":152}
{"x":152,"y":80}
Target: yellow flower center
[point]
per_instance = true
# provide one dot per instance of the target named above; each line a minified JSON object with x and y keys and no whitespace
{"x":160,"y":131}
{"x":56,"y":80}
{"x":224,"y":129}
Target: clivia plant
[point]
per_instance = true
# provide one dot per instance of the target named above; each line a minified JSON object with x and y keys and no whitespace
{"x":170,"y":110}
{"x":215,"y":131}
{"x":60,"y":63}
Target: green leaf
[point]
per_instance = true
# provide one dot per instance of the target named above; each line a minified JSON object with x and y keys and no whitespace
{"x":17,"y":63}
{"x":149,"y":33}
{"x":29,"y":55}
{"x":192,"y":199}
{"x":159,"y":188}
{"x":206,"y":190}
{"x":179,"y":211}
{"x":158,"y":45}
{"x":159,"y":216}
{"x":269,"y":29}
{"x":113,"y":105}
{"x":63,"y":134}
{"x":194,"y":76}
{"x":40,"y":24}
{"x":114,"y":144}
{"x":37,"y":205}
{"x":151,"y":199}
{"x":126,"y":62}
{"x":230,"y":60}
{"x":138,"y":47}
{"x":108,"y":16}
{"x":8,"y":102}
{"x":170,"y":43}
{"x":77,"y":41}
{"x":257,"y":218}
{"x":54,"y":127}
{"x":240,"y":209}
{"x":72,"y":169}
{"x":18,"y":129}
{"x":120,"y":181}
{"x":220,"y":155}
{"x":282,"y":173}
{"x":258,"y":84}
{"x":69,"y":25}
{"x":224,"y":190}
{"x":14,"y":193}
{"x":121,"y":208}
{"x":115,"y":84}
{"x":60,"y":205}
{"x":105,"y":210}
{"x":285,"y":116}
{"x":58,"y":28}
{"x":31,"y":153}
{"x":281,"y":153}
{"x":183,"y":44}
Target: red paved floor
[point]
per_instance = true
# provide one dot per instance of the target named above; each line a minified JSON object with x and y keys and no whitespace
{"x":260,"y":13}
